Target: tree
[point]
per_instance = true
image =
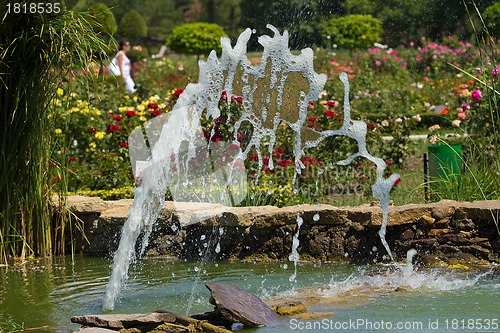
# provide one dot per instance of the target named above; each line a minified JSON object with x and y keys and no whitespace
{"x":102,"y":19}
{"x":133,"y":26}
{"x":353,"y":31}
{"x":196,"y":38}
{"x":491,"y":17}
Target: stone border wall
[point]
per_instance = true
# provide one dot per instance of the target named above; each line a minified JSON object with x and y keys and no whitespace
{"x":446,"y":231}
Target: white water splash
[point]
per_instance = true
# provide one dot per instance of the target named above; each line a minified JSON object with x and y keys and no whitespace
{"x":294,"y":256}
{"x":275,"y":92}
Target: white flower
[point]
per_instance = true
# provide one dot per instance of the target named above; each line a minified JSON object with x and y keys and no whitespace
{"x":456,"y":123}
{"x":434,"y":128}
{"x":384,"y":123}
{"x":433,"y":139}
{"x":417,"y":118}
{"x":398,"y":120}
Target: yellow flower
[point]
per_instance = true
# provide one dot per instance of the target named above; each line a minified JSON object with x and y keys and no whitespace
{"x":96,"y":112}
{"x":99,"y":135}
{"x":142,"y":118}
{"x":58,"y":131}
{"x":60,"y":91}
{"x":134,"y":98}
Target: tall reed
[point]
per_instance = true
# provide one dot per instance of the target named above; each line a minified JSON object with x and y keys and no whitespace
{"x":36,"y":52}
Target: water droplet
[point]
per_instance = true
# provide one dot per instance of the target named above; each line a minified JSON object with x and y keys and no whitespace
{"x":285,"y":266}
{"x":217,"y":248}
{"x":374,"y":249}
{"x":316,"y":217}
{"x":203,"y":237}
{"x":196,"y":269}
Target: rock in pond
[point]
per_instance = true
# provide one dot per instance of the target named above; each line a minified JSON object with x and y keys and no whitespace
{"x":240,"y":306}
{"x":119,"y":321}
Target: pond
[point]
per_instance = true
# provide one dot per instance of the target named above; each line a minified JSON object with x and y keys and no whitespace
{"x":45,"y":294}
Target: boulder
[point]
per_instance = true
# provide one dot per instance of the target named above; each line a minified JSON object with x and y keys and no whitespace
{"x":240,"y":306}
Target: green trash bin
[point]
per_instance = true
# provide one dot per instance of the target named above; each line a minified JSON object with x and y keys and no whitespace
{"x":445,"y":161}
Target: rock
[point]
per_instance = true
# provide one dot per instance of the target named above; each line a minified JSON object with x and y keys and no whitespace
{"x":314,"y":315}
{"x":239,"y":306}
{"x":463,"y":224}
{"x":94,"y":330}
{"x":442,"y":222}
{"x":477,"y":250}
{"x":453,"y":238}
{"x":290,"y":308}
{"x":119,"y":321}
{"x":442,"y":212}
{"x":437,"y":232}
{"x":426,"y":220}
{"x":407,"y":234}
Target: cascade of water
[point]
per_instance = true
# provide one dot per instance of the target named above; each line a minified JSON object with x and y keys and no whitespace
{"x":275,"y":92}
{"x":294,"y":256}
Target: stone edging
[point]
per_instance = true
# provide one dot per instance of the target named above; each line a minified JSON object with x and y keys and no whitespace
{"x":446,"y":230}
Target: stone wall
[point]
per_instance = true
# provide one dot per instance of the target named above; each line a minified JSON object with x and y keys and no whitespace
{"x":446,"y":231}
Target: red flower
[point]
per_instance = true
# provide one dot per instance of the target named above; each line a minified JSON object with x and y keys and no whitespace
{"x":330,"y":103}
{"x":470,"y":82}
{"x":114,"y":128}
{"x":312,"y":119}
{"x":253,"y":157}
{"x":56,"y":179}
{"x":265,"y":160}
{"x":239,"y":99}
{"x":224,"y":95}
{"x":155,"y":112}
{"x":389,"y":163}
{"x":397,"y":182}
{"x":178,"y":92}
{"x":330,"y":113}
{"x":240,"y":137}
{"x":93,"y":130}
{"x":370,"y":126}
{"x":269,"y":170}
{"x":152,"y":106}
{"x":51,"y":165}
{"x":124,"y":144}
{"x":130,"y":113}
{"x":72,"y":159}
{"x":118,"y":118}
{"x":444,"y":111}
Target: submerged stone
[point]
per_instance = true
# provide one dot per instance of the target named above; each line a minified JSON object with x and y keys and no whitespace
{"x":240,"y":306}
{"x":120,"y":321}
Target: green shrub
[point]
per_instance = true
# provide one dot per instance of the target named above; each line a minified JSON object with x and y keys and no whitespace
{"x":102,"y":19}
{"x":491,"y":17}
{"x":196,"y":38}
{"x":353,"y":31}
{"x":133,"y":25}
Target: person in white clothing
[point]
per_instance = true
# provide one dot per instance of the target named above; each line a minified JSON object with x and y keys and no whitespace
{"x":123,"y":63}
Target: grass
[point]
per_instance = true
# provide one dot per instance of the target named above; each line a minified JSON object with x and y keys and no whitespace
{"x":35,"y":52}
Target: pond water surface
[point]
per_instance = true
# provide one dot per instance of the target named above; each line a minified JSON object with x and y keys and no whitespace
{"x":45,"y":294}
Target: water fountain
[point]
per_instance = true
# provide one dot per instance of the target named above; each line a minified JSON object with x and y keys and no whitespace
{"x":277,"y":91}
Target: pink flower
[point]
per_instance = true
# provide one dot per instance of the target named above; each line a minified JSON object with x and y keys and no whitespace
{"x":476,"y":95}
{"x":465,"y":107}
{"x":495,"y":72}
{"x":461,"y":115}
{"x":377,"y":63}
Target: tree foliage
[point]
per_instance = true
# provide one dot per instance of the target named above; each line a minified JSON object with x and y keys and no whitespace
{"x":353,"y":31}
{"x":133,"y":25}
{"x":196,"y":38}
{"x":491,"y":17}
{"x":102,"y":19}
